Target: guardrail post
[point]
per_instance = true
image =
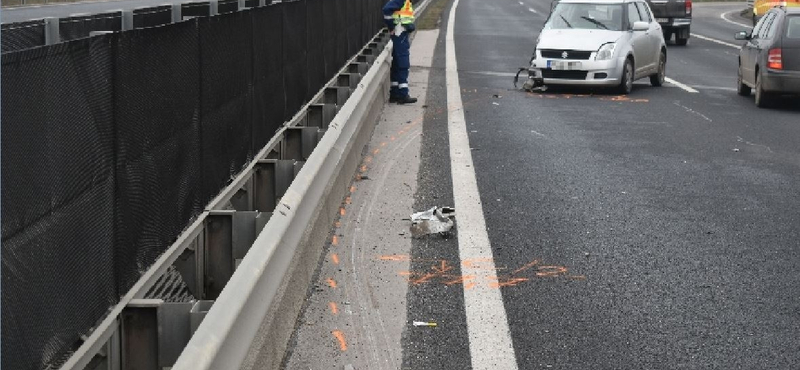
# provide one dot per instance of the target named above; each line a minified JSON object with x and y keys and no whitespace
{"x":272,"y":179}
{"x":242,"y":200}
{"x":242,"y":5}
{"x":174,"y":331}
{"x":198,"y":313}
{"x":213,"y":7}
{"x":127,"y":20}
{"x":219,"y":261}
{"x":320,"y":115}
{"x":176,"y":13}
{"x":360,"y":68}
{"x":52,"y":33}
{"x":336,"y":95}
{"x":347,"y":80}
{"x":140,"y":334}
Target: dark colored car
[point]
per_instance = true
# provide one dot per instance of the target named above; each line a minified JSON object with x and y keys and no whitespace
{"x":770,"y":60}
{"x":675,"y":18}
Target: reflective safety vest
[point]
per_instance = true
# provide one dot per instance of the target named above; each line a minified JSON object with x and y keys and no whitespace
{"x":405,"y":15}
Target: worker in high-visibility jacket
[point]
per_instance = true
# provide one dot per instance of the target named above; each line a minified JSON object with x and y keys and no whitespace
{"x":399,"y":17}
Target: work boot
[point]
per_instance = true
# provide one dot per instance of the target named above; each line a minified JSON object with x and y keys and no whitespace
{"x":404,"y":100}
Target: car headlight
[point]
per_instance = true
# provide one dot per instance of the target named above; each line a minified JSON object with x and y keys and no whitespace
{"x":606,"y":51}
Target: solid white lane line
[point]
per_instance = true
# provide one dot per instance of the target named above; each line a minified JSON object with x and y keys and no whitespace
{"x":717,"y":41}
{"x":490,"y":343}
{"x":532,"y":10}
{"x":682,"y":86}
{"x":725,"y":18}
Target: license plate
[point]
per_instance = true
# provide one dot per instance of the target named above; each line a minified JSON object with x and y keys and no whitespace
{"x":662,"y":20}
{"x":563,"y":66}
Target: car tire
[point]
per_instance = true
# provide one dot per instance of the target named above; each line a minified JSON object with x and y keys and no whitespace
{"x":762,"y":97}
{"x":657,"y":79}
{"x":741,"y":88}
{"x":680,"y":41}
{"x":667,"y":36}
{"x":626,"y":80}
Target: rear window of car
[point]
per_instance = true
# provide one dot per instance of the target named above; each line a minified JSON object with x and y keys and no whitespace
{"x":792,"y":36}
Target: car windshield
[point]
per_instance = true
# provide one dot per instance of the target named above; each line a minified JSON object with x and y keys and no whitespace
{"x":586,"y":16}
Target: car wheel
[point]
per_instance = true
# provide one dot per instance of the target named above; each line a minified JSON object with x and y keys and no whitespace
{"x":626,"y":81}
{"x":742,"y":89}
{"x":658,"y":78}
{"x":680,"y":41}
{"x":762,"y":97}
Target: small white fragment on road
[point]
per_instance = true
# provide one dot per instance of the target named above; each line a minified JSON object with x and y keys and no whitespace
{"x":424,"y":323}
{"x":736,"y":150}
{"x":437,"y":220}
{"x":495,"y":103}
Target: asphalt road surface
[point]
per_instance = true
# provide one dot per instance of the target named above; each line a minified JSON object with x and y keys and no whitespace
{"x":659,"y":230}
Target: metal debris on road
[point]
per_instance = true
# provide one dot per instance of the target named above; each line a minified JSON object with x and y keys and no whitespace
{"x":736,"y":150}
{"x":495,"y":103}
{"x":424,"y":323}
{"x":437,"y":220}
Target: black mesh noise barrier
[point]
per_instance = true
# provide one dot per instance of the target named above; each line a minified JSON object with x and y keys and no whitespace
{"x":315,"y":47}
{"x":132,"y":134}
{"x":269,"y":99}
{"x":58,"y":198}
{"x":226,"y":69}
{"x":158,"y":153}
{"x":152,"y":16}
{"x":294,"y":56}
{"x":80,"y":26}
{"x":22,"y":35}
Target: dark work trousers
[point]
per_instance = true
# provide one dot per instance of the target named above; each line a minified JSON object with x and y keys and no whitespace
{"x":400,"y":65}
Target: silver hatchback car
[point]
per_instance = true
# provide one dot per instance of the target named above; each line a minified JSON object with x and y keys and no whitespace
{"x":607,"y":43}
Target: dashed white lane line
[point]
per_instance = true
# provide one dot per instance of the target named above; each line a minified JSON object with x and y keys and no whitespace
{"x":684,"y":87}
{"x":490,"y":345}
{"x":532,"y":10}
{"x":716,"y":41}
{"x":724,"y":17}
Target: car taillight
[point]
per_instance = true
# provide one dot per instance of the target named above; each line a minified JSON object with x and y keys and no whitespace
{"x":688,"y":7}
{"x":775,"y":59}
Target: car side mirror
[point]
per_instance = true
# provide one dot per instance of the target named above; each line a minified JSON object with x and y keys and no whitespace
{"x":743,"y":35}
{"x":641,"y":26}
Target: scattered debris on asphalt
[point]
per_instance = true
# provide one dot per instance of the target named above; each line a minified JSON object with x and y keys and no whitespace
{"x":495,"y":103}
{"x":497,"y":96}
{"x":424,"y":323}
{"x":437,"y":220}
{"x":736,"y":150}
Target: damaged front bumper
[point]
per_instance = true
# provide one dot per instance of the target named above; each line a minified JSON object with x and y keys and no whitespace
{"x":575,"y":72}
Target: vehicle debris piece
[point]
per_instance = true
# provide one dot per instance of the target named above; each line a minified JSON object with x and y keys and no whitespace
{"x":424,"y":323}
{"x":437,"y":220}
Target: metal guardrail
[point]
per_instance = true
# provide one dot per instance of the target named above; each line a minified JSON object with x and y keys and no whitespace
{"x":143,"y":333}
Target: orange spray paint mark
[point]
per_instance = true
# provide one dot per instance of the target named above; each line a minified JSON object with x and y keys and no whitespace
{"x":332,"y":283}
{"x":337,"y":224}
{"x":504,"y":282}
{"x":340,"y":337}
{"x":342,"y":211}
{"x":550,"y":271}
{"x":334,"y":308}
{"x":363,"y":168}
{"x":335,"y":240}
{"x":383,"y":143}
{"x":353,"y":189}
{"x":392,"y":138}
{"x":527,"y":266}
{"x":395,"y":257}
{"x":469,"y":286}
{"x":335,"y":258}
{"x":466,"y":279}
{"x":348,"y":200}
{"x":376,"y":151}
{"x":475,"y":263}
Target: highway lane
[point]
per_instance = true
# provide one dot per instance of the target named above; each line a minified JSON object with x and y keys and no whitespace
{"x":658,"y":230}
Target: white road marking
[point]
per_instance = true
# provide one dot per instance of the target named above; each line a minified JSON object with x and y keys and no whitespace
{"x":490,"y":343}
{"x":521,"y":3}
{"x":692,"y":111}
{"x":682,"y":86}
{"x":532,"y":10}
{"x":724,"y":18}
{"x":717,"y":41}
